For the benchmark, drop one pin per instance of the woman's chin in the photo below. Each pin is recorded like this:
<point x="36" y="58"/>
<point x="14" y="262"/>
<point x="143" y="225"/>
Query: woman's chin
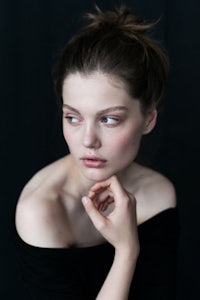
<point x="97" y="175"/>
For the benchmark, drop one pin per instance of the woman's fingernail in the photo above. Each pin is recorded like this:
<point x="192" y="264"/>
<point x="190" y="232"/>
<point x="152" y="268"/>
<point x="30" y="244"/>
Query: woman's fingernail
<point x="84" y="200"/>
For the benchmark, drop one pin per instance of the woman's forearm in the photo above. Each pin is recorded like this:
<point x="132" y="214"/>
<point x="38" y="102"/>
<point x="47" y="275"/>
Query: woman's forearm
<point x="118" y="280"/>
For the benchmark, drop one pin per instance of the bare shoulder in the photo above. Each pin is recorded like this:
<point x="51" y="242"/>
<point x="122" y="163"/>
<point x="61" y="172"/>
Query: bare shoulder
<point x="47" y="176"/>
<point x="155" y="193"/>
<point x="40" y="217"/>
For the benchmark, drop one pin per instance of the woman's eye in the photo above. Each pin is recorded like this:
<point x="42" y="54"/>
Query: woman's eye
<point x="110" y="120"/>
<point x="72" y="119"/>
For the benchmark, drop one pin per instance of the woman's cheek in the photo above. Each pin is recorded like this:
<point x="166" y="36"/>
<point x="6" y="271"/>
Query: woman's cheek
<point x="126" y="140"/>
<point x="127" y="144"/>
<point x="67" y="136"/>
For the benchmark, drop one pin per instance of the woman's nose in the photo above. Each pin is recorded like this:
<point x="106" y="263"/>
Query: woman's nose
<point x="91" y="138"/>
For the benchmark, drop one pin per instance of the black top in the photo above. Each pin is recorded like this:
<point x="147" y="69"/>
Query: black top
<point x="78" y="273"/>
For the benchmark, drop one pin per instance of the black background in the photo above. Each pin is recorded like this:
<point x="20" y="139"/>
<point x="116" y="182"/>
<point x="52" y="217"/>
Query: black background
<point x="32" y="34"/>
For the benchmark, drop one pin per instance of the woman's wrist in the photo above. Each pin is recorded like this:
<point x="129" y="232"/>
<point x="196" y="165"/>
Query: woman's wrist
<point x="127" y="255"/>
<point x="128" y="251"/>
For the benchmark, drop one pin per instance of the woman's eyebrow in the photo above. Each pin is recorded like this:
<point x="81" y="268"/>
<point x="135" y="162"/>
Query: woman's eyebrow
<point x="104" y="111"/>
<point x="112" y="109"/>
<point x="71" y="108"/>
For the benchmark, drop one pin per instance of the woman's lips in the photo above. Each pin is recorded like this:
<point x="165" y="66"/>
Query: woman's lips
<point x="93" y="161"/>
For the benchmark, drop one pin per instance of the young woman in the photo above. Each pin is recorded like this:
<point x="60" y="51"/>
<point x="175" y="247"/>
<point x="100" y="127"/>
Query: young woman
<point x="95" y="224"/>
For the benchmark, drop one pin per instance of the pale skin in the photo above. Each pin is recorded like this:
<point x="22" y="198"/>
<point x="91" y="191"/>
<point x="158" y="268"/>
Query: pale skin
<point x="97" y="193"/>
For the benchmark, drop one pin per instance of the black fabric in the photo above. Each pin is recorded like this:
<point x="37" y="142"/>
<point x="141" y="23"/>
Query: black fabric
<point x="78" y="273"/>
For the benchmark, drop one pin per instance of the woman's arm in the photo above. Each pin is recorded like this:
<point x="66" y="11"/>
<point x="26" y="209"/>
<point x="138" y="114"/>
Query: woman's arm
<point x="120" y="229"/>
<point x="118" y="280"/>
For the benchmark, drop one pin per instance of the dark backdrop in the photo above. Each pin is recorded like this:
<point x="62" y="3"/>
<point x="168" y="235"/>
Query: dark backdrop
<point x="32" y="33"/>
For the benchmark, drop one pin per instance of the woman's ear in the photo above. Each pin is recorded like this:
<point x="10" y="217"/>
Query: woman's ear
<point x="150" y="121"/>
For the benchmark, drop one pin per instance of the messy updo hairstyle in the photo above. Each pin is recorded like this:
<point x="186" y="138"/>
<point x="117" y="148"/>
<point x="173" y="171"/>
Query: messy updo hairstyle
<point x="117" y="43"/>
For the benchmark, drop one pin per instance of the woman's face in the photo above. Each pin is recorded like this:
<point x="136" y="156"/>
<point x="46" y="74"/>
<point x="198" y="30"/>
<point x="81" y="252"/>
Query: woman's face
<point x="102" y="124"/>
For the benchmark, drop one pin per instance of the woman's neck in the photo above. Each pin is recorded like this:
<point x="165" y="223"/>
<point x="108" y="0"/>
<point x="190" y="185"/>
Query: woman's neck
<point x="76" y="182"/>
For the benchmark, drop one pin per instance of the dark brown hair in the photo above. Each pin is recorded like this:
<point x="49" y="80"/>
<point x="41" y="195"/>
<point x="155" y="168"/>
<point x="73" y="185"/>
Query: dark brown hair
<point x="117" y="43"/>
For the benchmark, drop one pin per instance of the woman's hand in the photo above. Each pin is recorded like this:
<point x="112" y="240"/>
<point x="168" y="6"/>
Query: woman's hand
<point x="120" y="227"/>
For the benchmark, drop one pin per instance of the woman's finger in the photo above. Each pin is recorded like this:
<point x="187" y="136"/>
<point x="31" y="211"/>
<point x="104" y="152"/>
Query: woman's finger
<point x="113" y="187"/>
<point x="96" y="217"/>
